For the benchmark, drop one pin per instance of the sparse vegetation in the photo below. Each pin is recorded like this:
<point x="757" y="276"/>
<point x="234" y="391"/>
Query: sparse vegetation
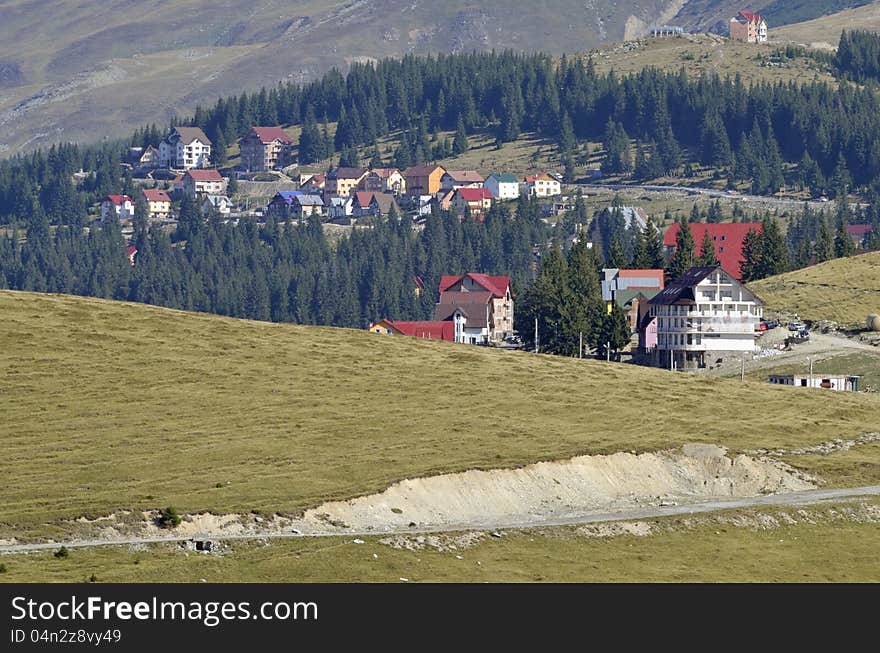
<point x="62" y="552"/>
<point x="169" y="518"/>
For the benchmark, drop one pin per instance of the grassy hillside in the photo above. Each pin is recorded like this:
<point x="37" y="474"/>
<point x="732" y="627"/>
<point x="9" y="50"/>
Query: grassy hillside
<point x="110" y="405"/>
<point x="843" y="290"/>
<point x="105" y="66"/>
<point x="825" y="32"/>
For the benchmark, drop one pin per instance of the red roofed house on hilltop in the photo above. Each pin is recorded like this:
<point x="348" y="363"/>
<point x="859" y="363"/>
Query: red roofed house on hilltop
<point x="471" y="202"/>
<point x="748" y="27"/>
<point x="474" y="309"/>
<point x="122" y="205"/>
<point x="209" y="182"/>
<point x="265" y="148"/>
<point x="727" y="238"/>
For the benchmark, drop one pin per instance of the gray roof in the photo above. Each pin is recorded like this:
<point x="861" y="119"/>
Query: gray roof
<point x="308" y="200"/>
<point x="476" y="314"/>
<point x="682" y="289"/>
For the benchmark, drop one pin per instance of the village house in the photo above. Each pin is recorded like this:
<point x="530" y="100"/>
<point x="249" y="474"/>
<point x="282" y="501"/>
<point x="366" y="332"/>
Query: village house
<point x="265" y="148"/>
<point x="455" y="179"/>
<point x="860" y="234"/>
<point x="727" y="237"/>
<point x="629" y="289"/>
<point x="121" y="205"/>
<point x="158" y="203"/>
<point x="219" y="203"/>
<point x="313" y="184"/>
<point x="383" y="180"/>
<point x="841" y="382"/>
<point x="471" y="202"/>
<point x="343" y="181"/>
<point x="502" y="186"/>
<point x="543" y="185"/>
<point x="144" y="158"/>
<point x="702" y="317"/>
<point x="473" y="309"/>
<point x="203" y="182"/>
<point x="748" y="27"/>
<point x="185" y="148"/>
<point x="341" y="210"/>
<point x="366" y="204"/>
<point x="424" y="179"/>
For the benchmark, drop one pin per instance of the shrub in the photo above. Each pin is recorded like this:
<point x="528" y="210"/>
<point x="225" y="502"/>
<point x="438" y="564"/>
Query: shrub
<point x="169" y="518"/>
<point x="3" y="568"/>
<point x="62" y="552"/>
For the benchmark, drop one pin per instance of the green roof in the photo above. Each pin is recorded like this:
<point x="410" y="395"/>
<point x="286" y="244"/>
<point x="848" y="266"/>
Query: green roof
<point x="624" y="297"/>
<point x="504" y="177"/>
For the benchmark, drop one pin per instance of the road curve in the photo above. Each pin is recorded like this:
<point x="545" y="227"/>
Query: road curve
<point x="805" y="497"/>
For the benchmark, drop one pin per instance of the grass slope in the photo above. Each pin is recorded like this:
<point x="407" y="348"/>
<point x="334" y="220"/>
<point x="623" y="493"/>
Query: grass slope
<point x="109" y="405"/>
<point x="843" y="290"/>
<point x="825" y="32"/>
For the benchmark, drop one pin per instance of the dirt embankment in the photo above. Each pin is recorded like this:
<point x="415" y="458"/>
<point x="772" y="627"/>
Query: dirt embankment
<point x="580" y="486"/>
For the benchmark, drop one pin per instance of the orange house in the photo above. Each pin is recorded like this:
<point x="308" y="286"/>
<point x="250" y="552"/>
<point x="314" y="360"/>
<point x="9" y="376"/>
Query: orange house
<point x="424" y="179"/>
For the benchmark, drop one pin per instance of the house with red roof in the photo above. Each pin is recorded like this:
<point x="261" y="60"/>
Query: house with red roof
<point x="630" y="289"/>
<point x="121" y="205"/>
<point x="158" y="203"/>
<point x="265" y="148"/>
<point x="207" y="182"/>
<point x="473" y="309"/>
<point x="727" y="237"/>
<point x="860" y="234"/>
<point x="748" y="27"/>
<point x="471" y="202"/>
<point x="131" y="251"/>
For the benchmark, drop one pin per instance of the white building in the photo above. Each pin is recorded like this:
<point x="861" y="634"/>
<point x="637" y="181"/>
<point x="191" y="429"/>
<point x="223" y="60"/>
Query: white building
<point x="543" y="185"/>
<point x="185" y="148"/>
<point x="702" y="316"/>
<point x="122" y="205"/>
<point x="842" y="382"/>
<point x="221" y="203"/>
<point x="207" y="182"/>
<point x="502" y="185"/>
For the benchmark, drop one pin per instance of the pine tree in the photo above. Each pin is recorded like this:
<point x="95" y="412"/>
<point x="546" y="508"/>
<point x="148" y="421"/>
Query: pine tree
<point x="774" y="252"/>
<point x="843" y="244"/>
<point x="684" y="258"/>
<point x="460" y="143"/>
<point x="751" y="256"/>
<point x="707" y="251"/>
<point x="824" y="242"/>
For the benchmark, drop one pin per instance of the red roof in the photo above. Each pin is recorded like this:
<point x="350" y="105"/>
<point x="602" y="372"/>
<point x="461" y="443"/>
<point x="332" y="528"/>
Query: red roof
<point x="727" y="237"/>
<point x="427" y="329"/>
<point x="496" y="285"/>
<point x="269" y="134"/>
<point x="363" y="198"/>
<point x="156" y="195"/>
<point x="118" y="199"/>
<point x="474" y="194"/>
<point x="858" y="229"/>
<point x="640" y="273"/>
<point x="752" y="18"/>
<point x="204" y="175"/>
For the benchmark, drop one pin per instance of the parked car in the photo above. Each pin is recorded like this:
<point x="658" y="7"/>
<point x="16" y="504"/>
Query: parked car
<point x="772" y="324"/>
<point x="796" y="326"/>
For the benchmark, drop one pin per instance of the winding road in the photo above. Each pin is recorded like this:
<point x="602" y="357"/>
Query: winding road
<point x="805" y="497"/>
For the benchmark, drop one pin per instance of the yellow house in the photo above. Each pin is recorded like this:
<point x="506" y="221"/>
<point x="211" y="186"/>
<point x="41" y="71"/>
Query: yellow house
<point x="424" y="179"/>
<point x="158" y="203"/>
<point x="385" y="327"/>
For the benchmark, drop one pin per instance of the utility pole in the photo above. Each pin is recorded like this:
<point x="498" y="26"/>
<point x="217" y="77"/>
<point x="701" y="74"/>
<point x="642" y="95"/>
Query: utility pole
<point x="810" y="382"/>
<point x="581" y="345"/>
<point x="742" y="369"/>
<point x="608" y="351"/>
<point x="536" y="335"/>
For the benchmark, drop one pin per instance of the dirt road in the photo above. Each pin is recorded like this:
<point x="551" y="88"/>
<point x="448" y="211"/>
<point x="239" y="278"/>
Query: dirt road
<point x="806" y="497"/>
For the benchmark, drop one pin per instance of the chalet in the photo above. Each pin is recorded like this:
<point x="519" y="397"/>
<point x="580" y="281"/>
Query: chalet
<point x="455" y="179"/>
<point x="860" y="234"/>
<point x="313" y="184"/>
<point x="748" y="27"/>
<point x="341" y="209"/>
<point x="543" y="185"/>
<point x="372" y="204"/>
<point x="185" y="148"/>
<point x="629" y="289"/>
<point x="429" y="330"/>
<point x="502" y="186"/>
<point x="383" y="180"/>
<point x="424" y="179"/>
<point x="220" y="203"/>
<point x="471" y="202"/>
<point x="303" y="206"/>
<point x="486" y="303"/>
<point x="727" y="237"/>
<point x="144" y="158"/>
<point x="265" y="148"/>
<point x="207" y="182"/>
<point x="121" y="205"/>
<point x="158" y="203"/>
<point x="281" y="204"/>
<point x="131" y="251"/>
<point x="702" y="316"/>
<point x="343" y="181"/>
